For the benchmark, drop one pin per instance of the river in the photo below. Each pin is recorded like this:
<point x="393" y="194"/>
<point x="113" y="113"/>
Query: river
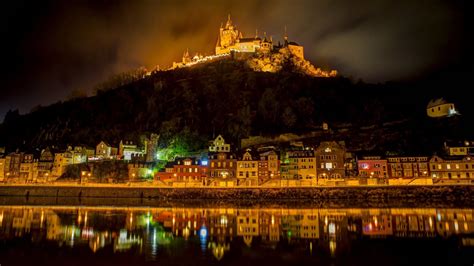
<point x="221" y="235"/>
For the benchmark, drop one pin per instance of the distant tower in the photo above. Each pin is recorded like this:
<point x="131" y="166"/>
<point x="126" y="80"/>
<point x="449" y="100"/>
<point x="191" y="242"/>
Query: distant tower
<point x="186" y="57"/>
<point x="286" y="37"/>
<point x="151" y="147"/>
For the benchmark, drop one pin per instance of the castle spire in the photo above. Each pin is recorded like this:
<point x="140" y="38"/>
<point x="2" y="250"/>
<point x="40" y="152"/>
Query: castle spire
<point x="286" y="37"/>
<point x="229" y="21"/>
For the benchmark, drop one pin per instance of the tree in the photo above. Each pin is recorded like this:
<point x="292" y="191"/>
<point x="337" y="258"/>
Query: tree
<point x="288" y="117"/>
<point x="268" y="106"/>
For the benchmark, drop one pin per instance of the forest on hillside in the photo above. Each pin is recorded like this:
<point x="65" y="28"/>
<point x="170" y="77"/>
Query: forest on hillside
<point x="224" y="97"/>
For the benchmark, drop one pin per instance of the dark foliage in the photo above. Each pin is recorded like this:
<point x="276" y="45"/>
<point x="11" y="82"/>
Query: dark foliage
<point x="226" y="97"/>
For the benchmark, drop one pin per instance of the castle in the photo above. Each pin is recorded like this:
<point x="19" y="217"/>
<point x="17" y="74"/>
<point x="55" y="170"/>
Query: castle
<point x="231" y="40"/>
<point x="260" y="54"/>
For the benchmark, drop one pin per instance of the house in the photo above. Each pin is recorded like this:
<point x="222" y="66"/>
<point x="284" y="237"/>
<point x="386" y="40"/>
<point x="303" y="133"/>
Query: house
<point x="28" y="168"/>
<point x="70" y="156"/>
<point x="373" y="167"/>
<point x="330" y="158"/>
<point x="127" y="149"/>
<point x="302" y="164"/>
<point x="452" y="167"/>
<point x="268" y="166"/>
<point x="45" y="164"/>
<point x="104" y="150"/>
<point x="459" y="148"/>
<point x="12" y="165"/>
<point x="222" y="169"/>
<point x="167" y="175"/>
<point x="219" y="145"/>
<point x="189" y="171"/>
<point x="88" y="152"/>
<point x="440" y="108"/>
<point x="247" y="169"/>
<point x="408" y="167"/>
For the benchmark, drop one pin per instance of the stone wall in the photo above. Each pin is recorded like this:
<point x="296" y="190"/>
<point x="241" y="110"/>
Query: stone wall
<point x="464" y="193"/>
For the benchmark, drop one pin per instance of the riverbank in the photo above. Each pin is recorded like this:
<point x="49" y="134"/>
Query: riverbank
<point x="460" y="195"/>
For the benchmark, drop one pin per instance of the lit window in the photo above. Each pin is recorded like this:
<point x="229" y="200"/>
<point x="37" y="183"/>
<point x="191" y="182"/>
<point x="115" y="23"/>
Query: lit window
<point x="457" y="166"/>
<point x="328" y="165"/>
<point x="448" y="166"/>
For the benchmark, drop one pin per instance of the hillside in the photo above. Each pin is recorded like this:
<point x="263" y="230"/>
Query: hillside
<point x="226" y="97"/>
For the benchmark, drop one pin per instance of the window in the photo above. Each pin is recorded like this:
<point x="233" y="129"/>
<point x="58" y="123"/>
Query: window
<point x="328" y="165"/>
<point x="439" y="166"/>
<point x="212" y="164"/>
<point x="322" y="165"/>
<point x="457" y="166"/>
<point x="448" y="166"/>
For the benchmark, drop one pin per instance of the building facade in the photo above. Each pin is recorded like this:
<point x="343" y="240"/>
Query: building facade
<point x="219" y="145"/>
<point x="268" y="166"/>
<point x="460" y="148"/>
<point x="223" y="167"/>
<point x="408" y="167"/>
<point x="189" y="170"/>
<point x="247" y="169"/>
<point x="373" y="167"/>
<point x="104" y="150"/>
<point x="440" y="108"/>
<point x="127" y="150"/>
<point x="302" y="164"/>
<point x="330" y="160"/>
<point x="452" y="167"/>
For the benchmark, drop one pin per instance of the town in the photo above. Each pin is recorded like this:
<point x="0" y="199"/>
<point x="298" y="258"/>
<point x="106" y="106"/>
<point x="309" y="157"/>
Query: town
<point x="222" y="165"/>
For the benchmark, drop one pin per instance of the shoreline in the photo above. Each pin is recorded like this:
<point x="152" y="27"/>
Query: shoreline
<point x="452" y="195"/>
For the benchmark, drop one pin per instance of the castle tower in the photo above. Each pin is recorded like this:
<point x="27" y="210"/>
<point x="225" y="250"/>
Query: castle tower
<point x="228" y="37"/>
<point x="186" y="57"/>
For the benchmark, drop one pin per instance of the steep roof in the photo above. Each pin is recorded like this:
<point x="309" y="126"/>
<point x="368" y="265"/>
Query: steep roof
<point x="436" y="102"/>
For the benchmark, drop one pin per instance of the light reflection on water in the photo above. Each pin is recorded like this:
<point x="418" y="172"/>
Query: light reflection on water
<point x="217" y="233"/>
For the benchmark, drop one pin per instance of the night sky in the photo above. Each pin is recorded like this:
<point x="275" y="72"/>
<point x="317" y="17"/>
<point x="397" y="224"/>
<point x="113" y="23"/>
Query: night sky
<point x="54" y="47"/>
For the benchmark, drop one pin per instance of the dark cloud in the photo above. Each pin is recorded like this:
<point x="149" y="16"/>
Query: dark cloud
<point x="54" y="47"/>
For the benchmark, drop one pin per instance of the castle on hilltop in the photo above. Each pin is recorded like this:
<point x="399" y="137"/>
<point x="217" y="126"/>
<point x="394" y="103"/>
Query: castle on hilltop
<point x="260" y="54"/>
<point x="230" y="39"/>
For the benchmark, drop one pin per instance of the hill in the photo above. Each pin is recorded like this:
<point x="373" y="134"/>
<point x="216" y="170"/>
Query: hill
<point x="227" y="97"/>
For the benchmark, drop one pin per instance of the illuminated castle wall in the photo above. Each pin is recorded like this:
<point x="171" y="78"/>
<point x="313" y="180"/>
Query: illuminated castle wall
<point x="231" y="39"/>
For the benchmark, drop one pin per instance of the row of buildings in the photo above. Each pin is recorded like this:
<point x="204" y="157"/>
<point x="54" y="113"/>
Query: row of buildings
<point x="51" y="163"/>
<point x="328" y="162"/>
<point x="225" y="167"/>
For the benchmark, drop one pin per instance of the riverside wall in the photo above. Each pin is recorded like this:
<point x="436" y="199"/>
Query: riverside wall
<point x="460" y="193"/>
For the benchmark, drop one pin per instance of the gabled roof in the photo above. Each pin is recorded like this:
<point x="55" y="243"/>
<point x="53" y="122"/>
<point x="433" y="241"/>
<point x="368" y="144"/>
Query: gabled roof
<point x="436" y="102"/>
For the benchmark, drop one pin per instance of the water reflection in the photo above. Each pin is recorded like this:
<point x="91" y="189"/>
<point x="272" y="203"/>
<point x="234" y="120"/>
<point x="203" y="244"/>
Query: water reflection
<point x="151" y="232"/>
